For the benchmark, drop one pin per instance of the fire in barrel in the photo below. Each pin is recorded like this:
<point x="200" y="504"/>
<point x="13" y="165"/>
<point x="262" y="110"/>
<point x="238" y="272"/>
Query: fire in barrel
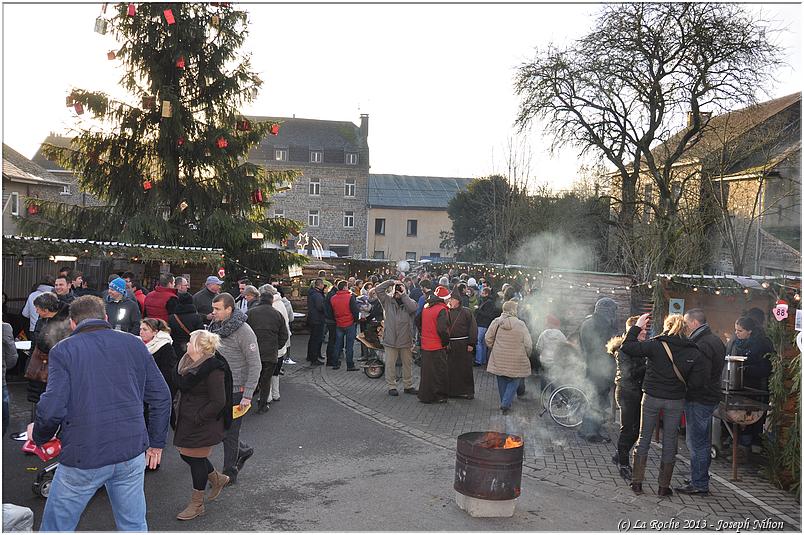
<point x="488" y="473"/>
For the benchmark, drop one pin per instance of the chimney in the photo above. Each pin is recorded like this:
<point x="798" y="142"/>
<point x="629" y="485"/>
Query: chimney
<point x="364" y="126"/>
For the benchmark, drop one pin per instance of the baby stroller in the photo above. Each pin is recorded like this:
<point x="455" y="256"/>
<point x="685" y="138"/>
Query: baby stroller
<point x="47" y="452"/>
<point x="371" y="338"/>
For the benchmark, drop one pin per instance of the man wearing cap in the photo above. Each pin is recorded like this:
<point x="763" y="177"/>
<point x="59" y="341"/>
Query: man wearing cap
<point x="160" y="303"/>
<point x="203" y="298"/>
<point x="432" y="322"/>
<point x="122" y="312"/>
<point x="398" y="310"/>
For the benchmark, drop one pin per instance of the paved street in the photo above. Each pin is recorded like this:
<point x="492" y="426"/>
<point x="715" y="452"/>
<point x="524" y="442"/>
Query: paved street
<point x="338" y="454"/>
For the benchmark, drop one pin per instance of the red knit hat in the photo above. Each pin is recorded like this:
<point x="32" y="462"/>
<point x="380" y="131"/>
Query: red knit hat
<point x="442" y="293"/>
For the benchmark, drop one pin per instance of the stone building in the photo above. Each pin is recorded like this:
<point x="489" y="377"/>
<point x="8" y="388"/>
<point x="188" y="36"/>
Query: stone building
<point x="331" y="195"/>
<point x="407" y="215"/>
<point x="23" y="178"/>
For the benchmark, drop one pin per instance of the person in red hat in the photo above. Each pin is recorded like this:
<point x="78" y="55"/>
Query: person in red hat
<point x="433" y="325"/>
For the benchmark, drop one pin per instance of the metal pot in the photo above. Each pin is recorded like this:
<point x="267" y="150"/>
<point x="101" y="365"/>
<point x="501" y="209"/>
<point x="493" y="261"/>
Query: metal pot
<point x="733" y="373"/>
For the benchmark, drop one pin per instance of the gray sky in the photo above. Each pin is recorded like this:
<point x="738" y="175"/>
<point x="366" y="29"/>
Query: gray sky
<point x="436" y="80"/>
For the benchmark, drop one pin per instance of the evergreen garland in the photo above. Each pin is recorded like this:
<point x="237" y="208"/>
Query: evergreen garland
<point x="171" y="165"/>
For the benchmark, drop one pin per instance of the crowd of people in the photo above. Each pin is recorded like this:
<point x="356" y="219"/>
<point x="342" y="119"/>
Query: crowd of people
<point x="197" y="361"/>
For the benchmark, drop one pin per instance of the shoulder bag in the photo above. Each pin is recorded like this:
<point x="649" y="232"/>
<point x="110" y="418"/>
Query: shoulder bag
<point x="675" y="369"/>
<point x="37" y="366"/>
<point x="183" y="328"/>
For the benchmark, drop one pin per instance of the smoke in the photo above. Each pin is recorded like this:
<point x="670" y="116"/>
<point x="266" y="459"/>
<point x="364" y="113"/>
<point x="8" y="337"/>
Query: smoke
<point x="549" y="250"/>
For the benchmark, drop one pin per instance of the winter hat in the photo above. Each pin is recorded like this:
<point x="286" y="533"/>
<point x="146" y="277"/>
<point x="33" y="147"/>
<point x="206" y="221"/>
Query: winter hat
<point x="510" y="307"/>
<point x="472" y="283"/>
<point x="443" y="281"/>
<point x="442" y="293"/>
<point x="118" y="285"/>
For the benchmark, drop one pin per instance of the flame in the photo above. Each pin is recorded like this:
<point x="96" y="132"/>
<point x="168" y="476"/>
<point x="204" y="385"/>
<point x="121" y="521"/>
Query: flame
<point x="494" y="440"/>
<point x="512" y="442"/>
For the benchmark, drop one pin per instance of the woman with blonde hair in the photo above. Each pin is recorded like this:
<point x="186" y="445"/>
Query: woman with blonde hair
<point x="203" y="413"/>
<point x="674" y="366"/>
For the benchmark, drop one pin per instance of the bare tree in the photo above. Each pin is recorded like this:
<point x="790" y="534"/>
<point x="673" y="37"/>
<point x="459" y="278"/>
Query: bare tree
<point x="625" y="89"/>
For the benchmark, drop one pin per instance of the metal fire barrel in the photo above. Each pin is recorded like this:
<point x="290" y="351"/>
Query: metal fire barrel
<point x="488" y="473"/>
<point x="733" y="373"/>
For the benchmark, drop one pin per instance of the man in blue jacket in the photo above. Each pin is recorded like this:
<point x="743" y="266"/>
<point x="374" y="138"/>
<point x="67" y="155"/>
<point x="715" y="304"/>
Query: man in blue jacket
<point x="98" y="380"/>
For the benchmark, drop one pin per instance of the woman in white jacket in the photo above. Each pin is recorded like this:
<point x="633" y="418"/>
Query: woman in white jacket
<point x="510" y="343"/>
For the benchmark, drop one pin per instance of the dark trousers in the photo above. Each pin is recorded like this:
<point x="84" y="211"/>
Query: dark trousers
<point x="265" y="382"/>
<point x="630" y="403"/>
<point x="599" y="403"/>
<point x="332" y="331"/>
<point x="315" y="341"/>
<point x="232" y="446"/>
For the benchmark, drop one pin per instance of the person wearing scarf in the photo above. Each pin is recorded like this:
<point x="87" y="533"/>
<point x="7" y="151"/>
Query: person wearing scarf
<point x="203" y="413"/>
<point x="156" y="335"/>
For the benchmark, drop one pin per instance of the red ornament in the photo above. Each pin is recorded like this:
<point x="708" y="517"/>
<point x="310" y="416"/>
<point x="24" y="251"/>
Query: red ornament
<point x="222" y="143"/>
<point x="110" y="55"/>
<point x="244" y="125"/>
<point x="221" y="272"/>
<point x="256" y="197"/>
<point x="147" y="185"/>
<point x="274" y="129"/>
<point x="132" y="10"/>
<point x="33" y="209"/>
<point x="180" y="141"/>
<point x="169" y="17"/>
<point x="79" y="108"/>
<point x="180" y="62"/>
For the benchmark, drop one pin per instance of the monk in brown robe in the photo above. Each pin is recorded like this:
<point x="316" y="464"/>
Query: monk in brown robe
<point x="460" y="354"/>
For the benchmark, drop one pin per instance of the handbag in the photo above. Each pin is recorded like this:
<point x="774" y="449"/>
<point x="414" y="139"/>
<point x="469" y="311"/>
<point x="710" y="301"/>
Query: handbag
<point x="183" y="328"/>
<point x="675" y="369"/>
<point x="37" y="366"/>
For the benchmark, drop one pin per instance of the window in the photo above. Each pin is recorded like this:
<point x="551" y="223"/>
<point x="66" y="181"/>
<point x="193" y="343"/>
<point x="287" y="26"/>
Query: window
<point x="15" y="203"/>
<point x="379" y="255"/>
<point x="413" y="225"/>
<point x="410" y="255"/>
<point x="65" y="190"/>
<point x="349" y="219"/>
<point x="435" y="255"/>
<point x="349" y="186"/>
<point x="315" y="187"/>
<point x="316" y="156"/>
<point x="281" y="155"/>
<point x="279" y="212"/>
<point x="312" y="218"/>
<point x="379" y="227"/>
<point x="341" y="250"/>
<point x="351" y="158"/>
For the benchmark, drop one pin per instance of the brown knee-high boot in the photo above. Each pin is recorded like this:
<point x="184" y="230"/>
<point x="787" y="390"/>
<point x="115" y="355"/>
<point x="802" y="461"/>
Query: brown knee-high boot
<point x="638" y="472"/>
<point x="665" y="476"/>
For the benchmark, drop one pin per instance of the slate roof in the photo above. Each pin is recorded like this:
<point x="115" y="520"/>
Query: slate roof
<point x="40" y="159"/>
<point x="18" y="167"/>
<point x="404" y="191"/>
<point x="312" y="133"/>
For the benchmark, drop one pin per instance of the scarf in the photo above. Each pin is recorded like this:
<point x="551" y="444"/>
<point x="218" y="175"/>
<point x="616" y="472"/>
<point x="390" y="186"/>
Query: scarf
<point x="190" y="366"/>
<point x="159" y="340"/>
<point x="226" y="328"/>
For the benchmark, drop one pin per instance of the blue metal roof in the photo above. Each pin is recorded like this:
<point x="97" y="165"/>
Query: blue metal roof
<point x="404" y="191"/>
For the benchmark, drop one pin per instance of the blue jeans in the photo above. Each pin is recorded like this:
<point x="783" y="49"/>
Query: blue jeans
<point x="507" y="387"/>
<point x="699" y="441"/>
<point x="481" y="351"/>
<point x="72" y="489"/>
<point x="345" y="336"/>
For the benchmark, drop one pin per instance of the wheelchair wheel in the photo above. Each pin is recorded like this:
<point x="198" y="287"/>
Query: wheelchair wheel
<point x="547" y="391"/>
<point x="567" y="406"/>
<point x="374" y="369"/>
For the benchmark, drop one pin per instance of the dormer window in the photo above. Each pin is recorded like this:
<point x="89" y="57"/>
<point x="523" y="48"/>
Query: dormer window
<point x="316" y="156"/>
<point x="351" y="158"/>
<point x="65" y="190"/>
<point x="281" y="155"/>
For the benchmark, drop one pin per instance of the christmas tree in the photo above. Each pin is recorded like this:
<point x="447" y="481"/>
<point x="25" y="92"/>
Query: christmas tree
<point x="170" y="165"/>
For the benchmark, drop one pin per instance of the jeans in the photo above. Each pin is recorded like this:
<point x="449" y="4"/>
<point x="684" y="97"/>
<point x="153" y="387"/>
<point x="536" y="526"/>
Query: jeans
<point x="699" y="441"/>
<point x="315" y="341"/>
<point x="72" y="489"/>
<point x="481" y="350"/>
<point x="391" y="356"/>
<point x="345" y="336"/>
<point x="233" y="448"/>
<point x="630" y="403"/>
<point x="671" y="419"/>
<point x="507" y="388"/>
<point x="331" y="329"/>
<point x="6" y="411"/>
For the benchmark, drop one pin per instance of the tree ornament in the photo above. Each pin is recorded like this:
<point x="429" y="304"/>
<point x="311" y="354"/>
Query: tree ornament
<point x="244" y="125"/>
<point x="169" y="17"/>
<point x="180" y="62"/>
<point x="274" y="129"/>
<point x="256" y="197"/>
<point x="149" y="103"/>
<point x="183" y="206"/>
<point x="215" y="21"/>
<point x="70" y="100"/>
<point x="249" y="171"/>
<point x="222" y="143"/>
<point x="147" y="185"/>
<point x="180" y="141"/>
<point x="780" y="310"/>
<point x="167" y="109"/>
<point x="132" y="10"/>
<point x="101" y="25"/>
<point x="79" y="108"/>
<point x="110" y="55"/>
<point x="33" y="209"/>
<point x="221" y="272"/>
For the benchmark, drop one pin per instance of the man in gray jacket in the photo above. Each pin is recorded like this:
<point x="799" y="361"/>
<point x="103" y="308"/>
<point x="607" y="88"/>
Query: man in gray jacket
<point x="399" y="310"/>
<point x="240" y="349"/>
